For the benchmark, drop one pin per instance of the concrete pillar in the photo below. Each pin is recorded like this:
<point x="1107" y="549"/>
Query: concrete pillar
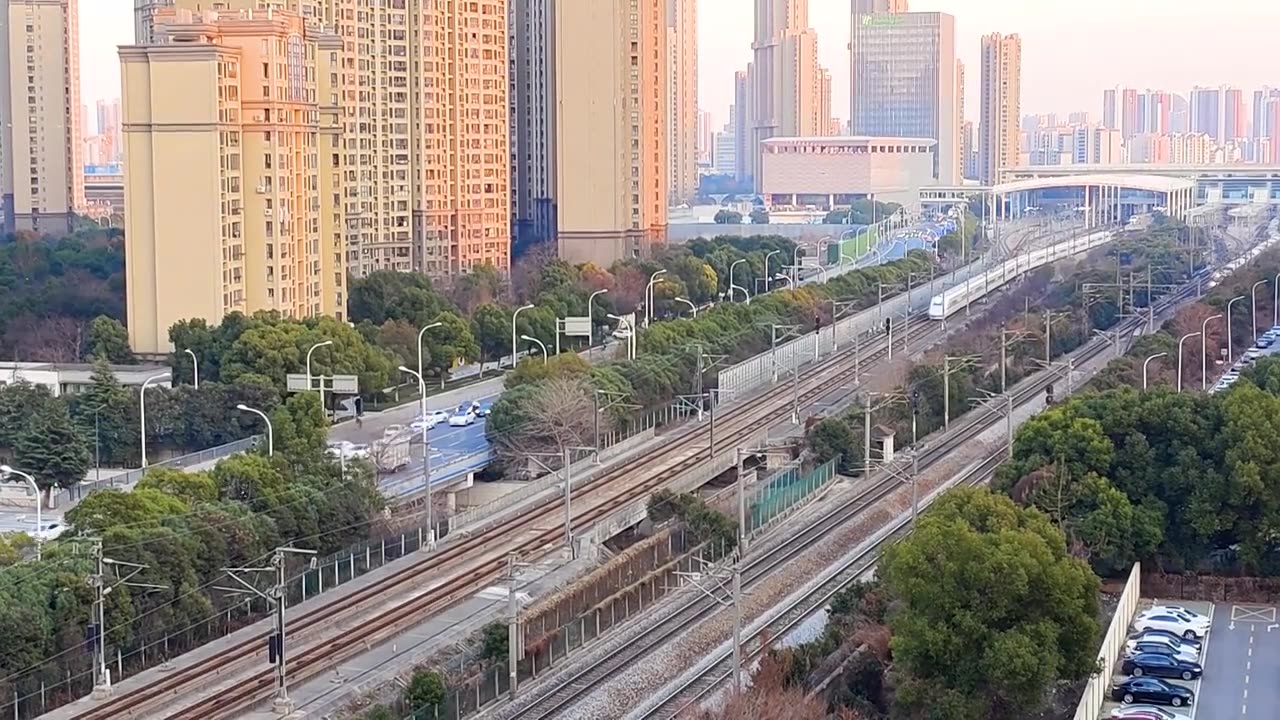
<point x="451" y="501"/>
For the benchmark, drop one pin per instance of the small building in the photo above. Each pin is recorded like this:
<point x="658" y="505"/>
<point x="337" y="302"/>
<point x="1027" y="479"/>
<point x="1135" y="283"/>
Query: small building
<point x="882" y="440"/>
<point x="73" y="378"/>
<point x="826" y="173"/>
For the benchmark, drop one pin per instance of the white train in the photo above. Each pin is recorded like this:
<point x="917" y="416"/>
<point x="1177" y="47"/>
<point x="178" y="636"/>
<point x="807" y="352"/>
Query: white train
<point x="971" y="290"/>
<point x="1239" y="262"/>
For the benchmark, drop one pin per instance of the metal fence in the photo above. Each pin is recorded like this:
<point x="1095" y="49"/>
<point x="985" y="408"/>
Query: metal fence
<point x="131" y="477"/>
<point x="785" y="492"/>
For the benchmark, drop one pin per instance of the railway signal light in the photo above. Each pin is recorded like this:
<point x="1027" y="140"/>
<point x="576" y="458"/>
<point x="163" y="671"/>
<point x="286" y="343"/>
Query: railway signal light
<point x="1048" y="395"/>
<point x="817" y="322"/>
<point x="888" y="325"/>
<point x="273" y="648"/>
<point x="92" y="636"/>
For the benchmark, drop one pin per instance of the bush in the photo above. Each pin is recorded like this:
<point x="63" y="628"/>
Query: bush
<point x="425" y="691"/>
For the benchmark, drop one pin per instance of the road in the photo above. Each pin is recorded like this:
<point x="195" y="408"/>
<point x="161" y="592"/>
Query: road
<point x="1241" y="664"/>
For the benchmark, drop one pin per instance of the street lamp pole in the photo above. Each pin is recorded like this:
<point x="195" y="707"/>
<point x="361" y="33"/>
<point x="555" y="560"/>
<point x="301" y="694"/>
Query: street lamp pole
<point x="195" y="369"/>
<point x="790" y="284"/>
<point x="1204" y="351"/>
<point x="631" y="335"/>
<point x="421" y="334"/>
<point x="1230" y="353"/>
<point x="271" y="444"/>
<point x="514" y="315"/>
<point x="142" y="412"/>
<point x="5" y="472"/>
<point x="591" y="337"/>
<point x="541" y="346"/>
<point x="1253" y="308"/>
<point x="1147" y="362"/>
<point x="311" y="350"/>
<point x="733" y="286"/>
<point x="426" y="451"/>
<point x="689" y="302"/>
<point x="1180" y="341"/>
<point x="648" y="297"/>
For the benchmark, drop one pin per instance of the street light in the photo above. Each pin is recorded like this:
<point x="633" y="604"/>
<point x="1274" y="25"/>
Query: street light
<point x="422" y="333"/>
<point x="689" y="302"/>
<point x="142" y="412"/>
<point x="5" y="472"/>
<point x="648" y="296"/>
<point x="1148" y="362"/>
<point x="1204" y="350"/>
<point x="313" y="349"/>
<point x="631" y="334"/>
<point x="195" y="368"/>
<point x="768" y="255"/>
<point x="426" y="449"/>
<point x="732" y="286"/>
<point x="790" y="285"/>
<point x="271" y="442"/>
<point x="1275" y="301"/>
<point x="591" y="325"/>
<point x="1253" y="308"/>
<point x="1230" y="302"/>
<point x="844" y="257"/>
<point x="527" y="338"/>
<point x="1180" y="341"/>
<point x="514" y="315"/>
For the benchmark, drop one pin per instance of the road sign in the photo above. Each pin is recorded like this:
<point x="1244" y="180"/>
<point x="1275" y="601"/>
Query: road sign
<point x="296" y="382"/>
<point x="337" y="384"/>
<point x="576" y="326"/>
<point x="344" y="384"/>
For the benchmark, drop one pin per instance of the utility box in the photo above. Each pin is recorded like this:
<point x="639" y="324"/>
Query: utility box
<point x="882" y="439"/>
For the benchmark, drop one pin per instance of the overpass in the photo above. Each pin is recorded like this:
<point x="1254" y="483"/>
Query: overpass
<point x="1214" y="184"/>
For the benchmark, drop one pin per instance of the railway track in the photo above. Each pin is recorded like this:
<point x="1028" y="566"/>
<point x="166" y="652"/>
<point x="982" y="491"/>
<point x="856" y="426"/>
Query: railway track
<point x="478" y="560"/>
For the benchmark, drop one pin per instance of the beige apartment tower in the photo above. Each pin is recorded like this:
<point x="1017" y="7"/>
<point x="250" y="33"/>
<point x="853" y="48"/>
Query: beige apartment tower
<point x="1001" y="106"/>
<point x="233" y="167"/>
<point x="682" y="90"/>
<point x="611" y="129"/>
<point x="41" y="138"/>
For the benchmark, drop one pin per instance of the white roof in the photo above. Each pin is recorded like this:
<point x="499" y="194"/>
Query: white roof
<point x="1150" y="183"/>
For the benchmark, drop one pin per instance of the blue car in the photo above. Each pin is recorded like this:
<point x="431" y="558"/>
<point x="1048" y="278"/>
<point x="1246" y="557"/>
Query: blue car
<point x="1152" y="690"/>
<point x="1160" y="665"/>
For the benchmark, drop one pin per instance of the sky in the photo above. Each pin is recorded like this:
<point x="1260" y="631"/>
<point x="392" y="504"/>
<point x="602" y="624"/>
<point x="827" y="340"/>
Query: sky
<point x="1071" y="49"/>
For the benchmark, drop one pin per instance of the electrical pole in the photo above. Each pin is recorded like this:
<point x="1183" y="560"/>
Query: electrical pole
<point x="866" y="434"/>
<point x="275" y="598"/>
<point x="515" y="639"/>
<point x="102" y="584"/>
<point x="568" y="500"/>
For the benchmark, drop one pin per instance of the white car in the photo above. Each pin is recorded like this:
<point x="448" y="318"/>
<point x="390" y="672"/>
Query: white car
<point x="392" y="431"/>
<point x="48" y="530"/>
<point x="1143" y="709"/>
<point x="433" y="419"/>
<point x="462" y="417"/>
<point x="1173" y="623"/>
<point x="1179" y="610"/>
<point x="348" y="450"/>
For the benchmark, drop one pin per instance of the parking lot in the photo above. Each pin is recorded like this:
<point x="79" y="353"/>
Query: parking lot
<point x="1241" y="660"/>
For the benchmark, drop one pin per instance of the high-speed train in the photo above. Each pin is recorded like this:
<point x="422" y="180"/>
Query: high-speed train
<point x="1226" y="270"/>
<point x="971" y="290"/>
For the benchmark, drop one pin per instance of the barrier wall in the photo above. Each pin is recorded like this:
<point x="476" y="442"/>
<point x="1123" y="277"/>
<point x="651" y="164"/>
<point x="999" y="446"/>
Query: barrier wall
<point x="1095" y="692"/>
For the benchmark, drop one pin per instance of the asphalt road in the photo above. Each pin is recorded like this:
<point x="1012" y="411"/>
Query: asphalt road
<point x="1241" y="664"/>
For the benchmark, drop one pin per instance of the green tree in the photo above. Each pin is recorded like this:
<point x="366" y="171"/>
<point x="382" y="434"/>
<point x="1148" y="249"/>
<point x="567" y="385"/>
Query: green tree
<point x="759" y="217"/>
<point x="109" y="340"/>
<point x="424" y="692"/>
<point x="491" y="327"/>
<point x="991" y="609"/>
<point x="50" y="449"/>
<point x="300" y="429"/>
<point x="449" y="344"/>
<point x="193" y="487"/>
<point x="106" y="412"/>
<point x="699" y="278"/>
<point x="19" y="402"/>
<point x="496" y="642"/>
<point x="833" y="437"/>
<point x="728" y="217"/>
<point x="389" y="295"/>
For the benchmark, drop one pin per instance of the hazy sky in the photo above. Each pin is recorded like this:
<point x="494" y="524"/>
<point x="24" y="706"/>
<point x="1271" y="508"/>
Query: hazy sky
<point x="1071" y="49"/>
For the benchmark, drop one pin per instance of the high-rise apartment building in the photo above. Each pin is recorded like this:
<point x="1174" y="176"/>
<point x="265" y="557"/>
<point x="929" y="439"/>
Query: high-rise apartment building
<point x="903" y="83"/>
<point x="233" y="165"/>
<point x="706" y="138"/>
<point x="1233" y="115"/>
<point x="968" y="153"/>
<point x="741" y="116"/>
<point x="1110" y="117"/>
<point x="682" y="100"/>
<point x="960" y="80"/>
<point x="112" y="142"/>
<point x="1206" y="112"/>
<point x="41" y="140"/>
<point x="726" y="150"/>
<point x="1001" y="104"/>
<point x="1129" y="122"/>
<point x="783" y="76"/>
<point x="611" y="129"/>
<point x="532" y="95"/>
<point x="822" y="102"/>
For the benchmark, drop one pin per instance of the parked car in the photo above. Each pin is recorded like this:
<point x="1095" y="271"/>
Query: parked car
<point x="392" y="431"/>
<point x="1143" y="710"/>
<point x="1134" y="647"/>
<point x="1175" y="638"/>
<point x="50" y="530"/>
<point x="1177" y="610"/>
<point x="478" y="409"/>
<point x="1173" y="644"/>
<point x="462" y="417"/>
<point x="1152" y="690"/>
<point x="1173" y="623"/>
<point x="347" y="450"/>
<point x="1160" y="665"/>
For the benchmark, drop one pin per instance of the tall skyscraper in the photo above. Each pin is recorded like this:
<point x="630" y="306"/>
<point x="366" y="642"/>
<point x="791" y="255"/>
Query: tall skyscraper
<point x="144" y="13"/>
<point x="108" y="113"/>
<point x="822" y="103"/>
<point x="706" y="138"/>
<point x="611" y="129"/>
<point x="1233" y="116"/>
<point x="1001" y="104"/>
<point x="960" y="153"/>
<point x="968" y="153"/>
<point x="1206" y="112"/>
<point x="1110" y="117"/>
<point x="784" y="86"/>
<point x="741" y="115"/>
<point x="1179" y="117"/>
<point x="233" y="204"/>
<point x="1129" y="122"/>
<point x="533" y="111"/>
<point x="903" y="83"/>
<point x="682" y="101"/>
<point x="41" y="141"/>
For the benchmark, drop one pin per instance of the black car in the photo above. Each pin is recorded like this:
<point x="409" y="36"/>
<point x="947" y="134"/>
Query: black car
<point x="1178" y="639"/>
<point x="1152" y="690"/>
<point x="1160" y="666"/>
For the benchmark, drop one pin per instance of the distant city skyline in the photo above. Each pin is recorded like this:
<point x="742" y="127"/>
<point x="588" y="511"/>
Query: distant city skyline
<point x="1152" y="36"/>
